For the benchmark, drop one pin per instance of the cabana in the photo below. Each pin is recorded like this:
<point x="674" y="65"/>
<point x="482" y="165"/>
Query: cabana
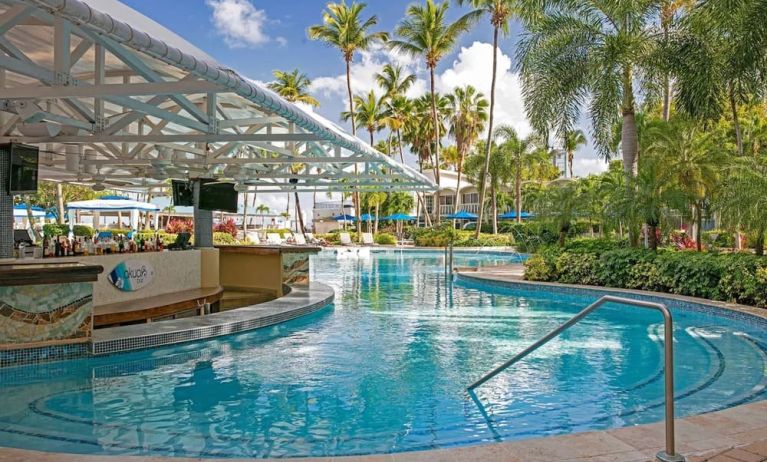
<point x="115" y="206"/>
<point x="21" y="215"/>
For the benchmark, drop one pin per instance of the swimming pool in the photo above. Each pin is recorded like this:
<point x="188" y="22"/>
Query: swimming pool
<point x="385" y="370"/>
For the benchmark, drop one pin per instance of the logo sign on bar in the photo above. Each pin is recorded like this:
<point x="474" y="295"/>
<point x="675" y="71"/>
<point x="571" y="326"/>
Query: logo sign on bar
<point x="131" y="275"/>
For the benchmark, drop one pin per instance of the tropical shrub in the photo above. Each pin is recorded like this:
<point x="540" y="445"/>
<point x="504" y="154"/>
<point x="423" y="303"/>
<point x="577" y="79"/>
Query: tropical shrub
<point x="385" y="239"/>
<point x="226" y="226"/>
<point x="82" y="231"/>
<point x="53" y="230"/>
<point x="166" y="238"/>
<point x="735" y="277"/>
<point x="224" y="238"/>
<point x="179" y="225"/>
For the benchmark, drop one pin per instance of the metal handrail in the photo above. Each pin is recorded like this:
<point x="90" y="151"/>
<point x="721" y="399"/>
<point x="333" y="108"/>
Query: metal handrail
<point x="669" y="455"/>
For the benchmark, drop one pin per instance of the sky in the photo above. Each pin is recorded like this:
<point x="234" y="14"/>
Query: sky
<point x="256" y="37"/>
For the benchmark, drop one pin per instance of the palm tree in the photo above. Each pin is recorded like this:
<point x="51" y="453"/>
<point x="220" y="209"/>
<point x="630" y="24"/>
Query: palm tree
<point x="369" y="114"/>
<point x="521" y="152"/>
<point x="293" y="86"/>
<point x="262" y="210"/>
<point x="467" y="113"/>
<point x="393" y="81"/>
<point x="720" y="61"/>
<point x="693" y="162"/>
<point x="587" y="49"/>
<point x="499" y="12"/>
<point x="559" y="204"/>
<point x="398" y="109"/>
<point x="571" y="140"/>
<point x="742" y="204"/>
<point x="425" y="32"/>
<point x="500" y="173"/>
<point x="343" y="28"/>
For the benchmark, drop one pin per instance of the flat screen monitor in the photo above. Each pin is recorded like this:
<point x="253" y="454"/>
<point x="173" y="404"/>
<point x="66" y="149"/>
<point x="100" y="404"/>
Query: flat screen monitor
<point x="183" y="194"/>
<point x="22" y="174"/>
<point x="218" y="196"/>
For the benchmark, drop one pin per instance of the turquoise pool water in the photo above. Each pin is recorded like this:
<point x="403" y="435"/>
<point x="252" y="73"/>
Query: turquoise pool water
<point x="384" y="370"/>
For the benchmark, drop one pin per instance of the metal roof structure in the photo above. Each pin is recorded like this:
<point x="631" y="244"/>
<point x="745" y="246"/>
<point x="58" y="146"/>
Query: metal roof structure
<point x="116" y="99"/>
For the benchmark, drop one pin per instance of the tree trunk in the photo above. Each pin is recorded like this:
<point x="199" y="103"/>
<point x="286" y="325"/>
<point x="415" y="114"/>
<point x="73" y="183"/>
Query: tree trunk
<point x="518" y="191"/>
<point x="60" y="203"/>
<point x="302" y="230"/>
<point x="570" y="157"/>
<point x="735" y="119"/>
<point x="435" y="120"/>
<point x="665" y="19"/>
<point x="399" y="142"/>
<point x="245" y="215"/>
<point x="698" y="227"/>
<point x="31" y="218"/>
<point x="488" y="147"/>
<point x="652" y="235"/>
<point x="629" y="137"/>
<point x="458" y="186"/>
<point x="494" y="203"/>
<point x="375" y="225"/>
<point x="759" y="243"/>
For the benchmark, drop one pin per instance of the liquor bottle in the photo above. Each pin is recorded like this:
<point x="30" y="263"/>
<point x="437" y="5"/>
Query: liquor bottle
<point x="57" y="250"/>
<point x="45" y="248"/>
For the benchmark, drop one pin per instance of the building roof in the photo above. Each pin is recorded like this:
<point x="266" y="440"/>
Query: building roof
<point x="115" y="98"/>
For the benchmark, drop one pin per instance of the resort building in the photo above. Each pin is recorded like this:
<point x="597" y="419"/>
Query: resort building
<point x="324" y="214"/>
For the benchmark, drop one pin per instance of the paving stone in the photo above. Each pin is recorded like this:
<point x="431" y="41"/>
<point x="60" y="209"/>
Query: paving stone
<point x="744" y="456"/>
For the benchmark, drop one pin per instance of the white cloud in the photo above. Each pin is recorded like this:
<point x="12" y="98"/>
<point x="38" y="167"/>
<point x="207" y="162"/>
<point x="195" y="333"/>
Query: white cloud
<point x="363" y="72"/>
<point x="473" y="66"/>
<point x="584" y="166"/>
<point x="240" y="23"/>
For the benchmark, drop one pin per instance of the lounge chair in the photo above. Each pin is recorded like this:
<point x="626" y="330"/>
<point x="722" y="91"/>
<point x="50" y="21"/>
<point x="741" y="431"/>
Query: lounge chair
<point x="346" y="239"/>
<point x="367" y="239"/>
<point x="273" y="239"/>
<point x="253" y="238"/>
<point x="299" y="239"/>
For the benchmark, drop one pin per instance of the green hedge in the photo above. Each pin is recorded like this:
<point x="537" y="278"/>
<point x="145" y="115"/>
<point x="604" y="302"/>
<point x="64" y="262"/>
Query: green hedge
<point x="385" y="239"/>
<point x="53" y="230"/>
<point x="82" y="231"/>
<point x="735" y="277"/>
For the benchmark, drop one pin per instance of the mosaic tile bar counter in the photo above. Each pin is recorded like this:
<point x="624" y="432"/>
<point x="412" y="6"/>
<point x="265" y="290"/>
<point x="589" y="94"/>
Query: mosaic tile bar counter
<point x="45" y="310"/>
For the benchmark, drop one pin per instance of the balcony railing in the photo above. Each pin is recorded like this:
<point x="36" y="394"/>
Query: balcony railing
<point x="472" y="207"/>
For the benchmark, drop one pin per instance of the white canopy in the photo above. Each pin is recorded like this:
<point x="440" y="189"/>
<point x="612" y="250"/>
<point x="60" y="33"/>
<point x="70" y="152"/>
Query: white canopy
<point x="112" y="205"/>
<point x="118" y="100"/>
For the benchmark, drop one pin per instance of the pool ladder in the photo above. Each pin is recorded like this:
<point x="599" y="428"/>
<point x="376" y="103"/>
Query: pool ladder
<point x="669" y="455"/>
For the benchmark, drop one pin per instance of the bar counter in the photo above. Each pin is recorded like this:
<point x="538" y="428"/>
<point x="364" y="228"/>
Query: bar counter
<point x="46" y="303"/>
<point x="264" y="267"/>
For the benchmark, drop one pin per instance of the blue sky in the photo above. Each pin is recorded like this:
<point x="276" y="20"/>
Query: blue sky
<point x="256" y="37"/>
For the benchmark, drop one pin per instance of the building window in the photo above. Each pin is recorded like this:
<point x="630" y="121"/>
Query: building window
<point x="470" y="198"/>
<point x="446" y="200"/>
<point x="429" y="201"/>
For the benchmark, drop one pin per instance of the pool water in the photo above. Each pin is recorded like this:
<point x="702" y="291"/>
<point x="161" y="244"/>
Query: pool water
<point x="385" y="369"/>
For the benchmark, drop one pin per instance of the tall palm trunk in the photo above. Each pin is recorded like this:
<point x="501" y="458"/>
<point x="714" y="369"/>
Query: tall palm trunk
<point x="245" y="215"/>
<point x="399" y="142"/>
<point x="629" y="137"/>
<point x="301" y="229"/>
<point x="570" y="157"/>
<point x="735" y="119"/>
<point x="667" y="90"/>
<point x="652" y="236"/>
<point x="458" y="186"/>
<point x="489" y="145"/>
<point x="375" y="224"/>
<point x="60" y="203"/>
<point x="629" y="142"/>
<point x="355" y="194"/>
<point x="698" y="227"/>
<point x="436" y="139"/>
<point x="518" y="191"/>
<point x="495" y="209"/>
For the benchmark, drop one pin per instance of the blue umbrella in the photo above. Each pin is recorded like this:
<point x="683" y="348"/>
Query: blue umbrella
<point x="367" y="217"/>
<point x="344" y="218"/>
<point x="398" y="217"/>
<point x="513" y="215"/>
<point x="462" y="215"/>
